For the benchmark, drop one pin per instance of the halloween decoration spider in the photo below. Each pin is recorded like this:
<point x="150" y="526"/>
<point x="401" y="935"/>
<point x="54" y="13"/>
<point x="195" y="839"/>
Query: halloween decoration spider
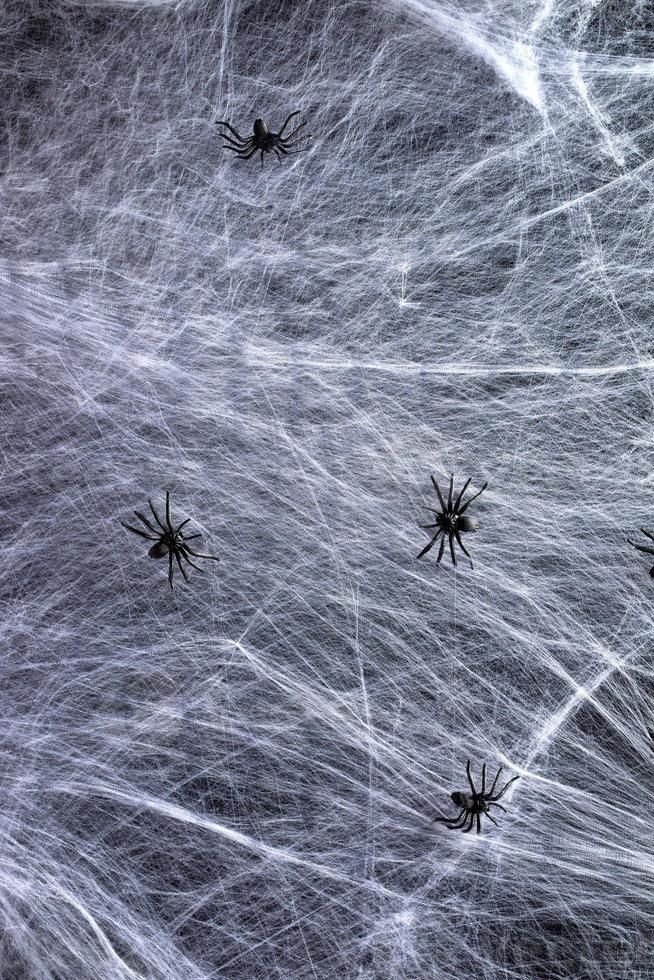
<point x="262" y="139"/>
<point x="648" y="549"/>
<point x="169" y="540"/>
<point x="475" y="804"/>
<point x="451" y="520"/>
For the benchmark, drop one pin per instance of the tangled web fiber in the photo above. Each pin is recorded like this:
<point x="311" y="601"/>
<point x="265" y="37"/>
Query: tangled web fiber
<point x="235" y="779"/>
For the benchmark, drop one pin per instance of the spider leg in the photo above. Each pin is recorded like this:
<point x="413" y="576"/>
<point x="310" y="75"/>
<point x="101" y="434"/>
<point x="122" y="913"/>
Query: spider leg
<point x="478" y="823"/>
<point x="459" y="822"/>
<point x="291" y="135"/>
<point x="454" y="823"/>
<point x="463" y="490"/>
<point x="182" y="525"/>
<point x="502" y="808"/>
<point x="426" y="527"/>
<point x="291" y="146"/>
<point x="440" y="495"/>
<point x="491" y="818"/>
<point x="170" y="567"/>
<point x="141" y="533"/>
<point x="497" y="776"/>
<point x="157" y="518"/>
<point x="449" y="496"/>
<point x="451" y="540"/>
<point x="450" y="819"/>
<point x="493" y="799"/>
<point x="472" y="820"/>
<point x="262" y="152"/>
<point x="196" y="554"/>
<point x="469" y="775"/>
<point x="648" y="534"/>
<point x="189" y="537"/>
<point x="483" y="779"/>
<point x="430" y="545"/>
<point x="642" y="547"/>
<point x="169" y="516"/>
<point x="229" y="139"/>
<point x="183" y="554"/>
<point x="239" y="147"/>
<point x="181" y="567"/>
<point x="242" y="155"/>
<point x="221" y="122"/>
<point x="277" y="154"/>
<point x="441" y="550"/>
<point x="249" y="154"/>
<point x="474" y="497"/>
<point x="145" y="521"/>
<point x="296" y="113"/>
<point x="457" y="535"/>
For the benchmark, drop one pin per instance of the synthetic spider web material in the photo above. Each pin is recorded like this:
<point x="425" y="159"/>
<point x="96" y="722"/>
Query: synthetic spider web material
<point x="237" y="779"/>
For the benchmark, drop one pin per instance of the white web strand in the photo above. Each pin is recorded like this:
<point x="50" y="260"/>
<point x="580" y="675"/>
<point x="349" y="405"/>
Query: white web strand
<point x="236" y="779"/>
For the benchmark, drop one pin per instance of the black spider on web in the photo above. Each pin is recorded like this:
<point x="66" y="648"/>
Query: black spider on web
<point x="451" y="520"/>
<point x="646" y="548"/>
<point x="169" y="540"/>
<point x="265" y="141"/>
<point x="475" y="804"/>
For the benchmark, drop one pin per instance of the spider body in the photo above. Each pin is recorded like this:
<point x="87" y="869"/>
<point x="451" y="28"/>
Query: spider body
<point x="169" y="540"/>
<point x="451" y="520"/>
<point x="648" y="549"/>
<point x="475" y="804"/>
<point x="263" y="140"/>
<point x="263" y="136"/>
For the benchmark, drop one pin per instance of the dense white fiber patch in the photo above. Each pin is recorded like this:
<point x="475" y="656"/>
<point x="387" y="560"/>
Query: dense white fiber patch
<point x="235" y="779"/>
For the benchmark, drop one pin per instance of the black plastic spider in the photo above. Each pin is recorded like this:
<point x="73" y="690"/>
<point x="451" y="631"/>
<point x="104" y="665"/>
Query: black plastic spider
<point x="472" y="806"/>
<point x="450" y="520"/>
<point x="262" y="139"/>
<point x="643" y="547"/>
<point x="169" y="540"/>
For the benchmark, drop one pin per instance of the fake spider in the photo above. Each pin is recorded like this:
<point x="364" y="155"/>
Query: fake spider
<point x="169" y="540"/>
<point x="643" y="547"/>
<point x="262" y="139"/>
<point x="451" y="520"/>
<point x="475" y="804"/>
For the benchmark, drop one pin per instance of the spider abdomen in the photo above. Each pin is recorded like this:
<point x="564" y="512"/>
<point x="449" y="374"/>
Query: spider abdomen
<point x="466" y="523"/>
<point x="260" y="129"/>
<point x="158" y="550"/>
